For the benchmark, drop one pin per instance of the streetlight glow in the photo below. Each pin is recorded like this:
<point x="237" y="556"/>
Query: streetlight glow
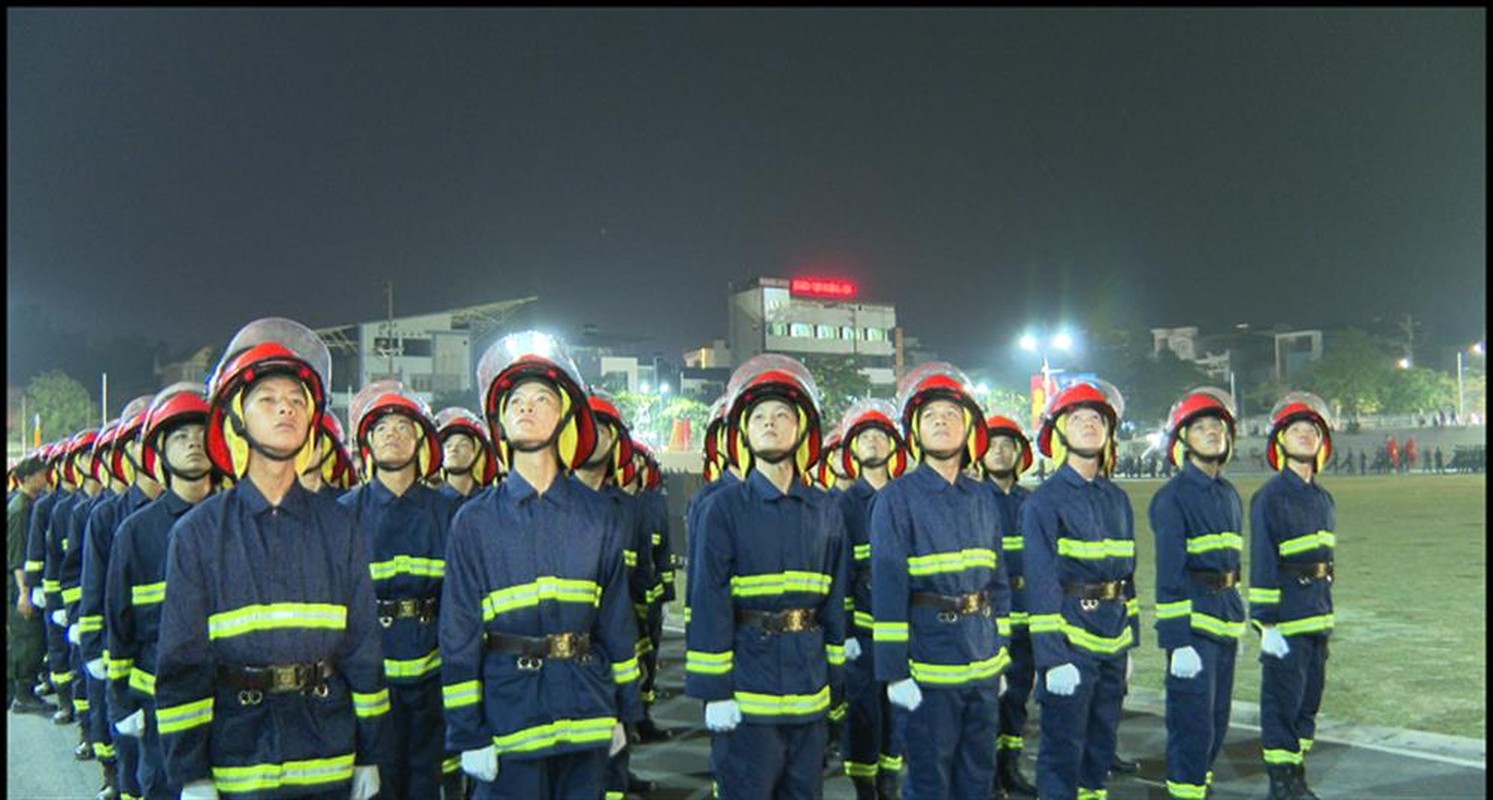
<point x="1063" y="341"/>
<point x="1403" y="363"/>
<point x="644" y="387"/>
<point x="1027" y="342"/>
<point x="663" y="388"/>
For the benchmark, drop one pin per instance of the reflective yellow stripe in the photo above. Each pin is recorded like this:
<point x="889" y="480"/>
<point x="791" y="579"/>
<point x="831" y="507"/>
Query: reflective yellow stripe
<point x="1009" y="742"/>
<point x="33" y="566"/>
<point x="1132" y="607"/>
<point x="954" y="561"/>
<point x="91" y="623"/>
<point x="367" y="705"/>
<point x="1020" y="619"/>
<point x="1282" y="757"/>
<point x="1216" y="626"/>
<point x="1046" y="623"/>
<point x="72" y="595"/>
<point x="626" y="671"/>
<point x="82" y="705"/>
<point x="148" y="593"/>
<point x="862" y="552"/>
<point x="630" y="558"/>
<point x="408" y="565"/>
<point x="1227" y="540"/>
<point x="175" y="719"/>
<point x="1263" y="596"/>
<point x="1094" y="643"/>
<point x="890" y="763"/>
<point x="1187" y="791"/>
<point x="456" y="695"/>
<point x="529" y="595"/>
<point x="783" y="705"/>
<point x="142" y="681"/>
<point x="703" y="663"/>
<point x="835" y="653"/>
<point x="103" y="751"/>
<point x="1010" y="543"/>
<point x="118" y="669"/>
<point x="1104" y="548"/>
<point x="889" y="632"/>
<point x="956" y="674"/>
<point x="1292" y="627"/>
<point x="772" y="584"/>
<point x="1311" y="541"/>
<point x="413" y="667"/>
<point x="656" y="539"/>
<point x="561" y="731"/>
<point x="865" y="620"/>
<point x="276" y="616"/>
<point x="267" y="777"/>
<point x="1093" y="794"/>
<point x="857" y="770"/>
<point x="1181" y="608"/>
<point x="451" y="765"/>
<point x="51" y="586"/>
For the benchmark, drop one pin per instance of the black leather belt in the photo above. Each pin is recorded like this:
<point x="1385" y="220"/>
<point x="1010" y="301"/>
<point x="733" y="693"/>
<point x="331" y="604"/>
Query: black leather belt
<point x="555" y="645"/>
<point x="1213" y="579"/>
<point x="1018" y="582"/>
<point x="1308" y="571"/>
<point x="862" y="576"/>
<point x="253" y="682"/>
<point x="421" y="608"/>
<point x="792" y="620"/>
<point x="1102" y="590"/>
<point x="960" y="604"/>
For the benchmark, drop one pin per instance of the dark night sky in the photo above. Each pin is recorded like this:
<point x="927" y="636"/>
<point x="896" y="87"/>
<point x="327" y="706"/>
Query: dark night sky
<point x="176" y="173"/>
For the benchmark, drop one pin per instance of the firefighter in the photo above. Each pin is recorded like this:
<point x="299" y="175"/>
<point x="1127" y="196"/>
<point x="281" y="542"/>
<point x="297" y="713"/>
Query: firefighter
<point x="1196" y="518"/>
<point x="765" y="642"/>
<point x="939" y="593"/>
<point x="59" y="658"/>
<point x="470" y="462"/>
<point x="90" y="493"/>
<point x="269" y="667"/>
<point x="173" y="452"/>
<point x="119" y="459"/>
<point x="332" y="471"/>
<point x="1007" y="458"/>
<point x="23" y="626"/>
<point x="653" y="507"/>
<point x="873" y="454"/>
<point x="717" y="472"/>
<point x="1078" y="557"/>
<point x="41" y="548"/>
<point x="537" y="631"/>
<point x="1291" y="542"/>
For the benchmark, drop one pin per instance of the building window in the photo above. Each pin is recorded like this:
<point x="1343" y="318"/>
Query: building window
<point x="875" y="334"/>
<point x="847" y="332"/>
<point x="777" y="329"/>
<point x="802" y="330"/>
<point x="825" y="332"/>
<point x="420" y="383"/>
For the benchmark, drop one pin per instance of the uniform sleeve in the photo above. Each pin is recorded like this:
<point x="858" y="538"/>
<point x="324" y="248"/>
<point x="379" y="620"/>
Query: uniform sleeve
<point x="52" y="559"/>
<point x="461" y="629"/>
<point x="185" y="662"/>
<point x="1044" y="592"/>
<point x="1264" y="580"/>
<point x="616" y="624"/>
<point x="96" y="534"/>
<point x="15" y="536"/>
<point x="640" y="577"/>
<point x="663" y="554"/>
<point x="998" y="588"/>
<point x="710" y="636"/>
<point x="890" y="590"/>
<point x="36" y="542"/>
<point x="1132" y="603"/>
<point x="71" y="574"/>
<point x="832" y="615"/>
<point x="360" y="654"/>
<point x="119" y="627"/>
<point x="1173" y="598"/>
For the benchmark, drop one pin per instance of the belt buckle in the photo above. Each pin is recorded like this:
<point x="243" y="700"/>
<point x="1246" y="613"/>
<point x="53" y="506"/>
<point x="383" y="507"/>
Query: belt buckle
<point x="1088" y="604"/>
<point x="969" y="603"/>
<point x="285" y="679"/>
<point x="798" y="620"/>
<point x="562" y="646"/>
<point x="407" y="608"/>
<point x="250" y="697"/>
<point x="1305" y="579"/>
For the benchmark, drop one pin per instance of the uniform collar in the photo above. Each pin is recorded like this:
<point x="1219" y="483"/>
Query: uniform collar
<point x="1295" y="481"/>
<point x="1070" y="476"/>
<point x="519" y="491"/>
<point x="176" y="505"/>
<point x="927" y="478"/>
<point x="382" y="495"/>
<point x="767" y="490"/>
<point x="295" y="502"/>
<point x="1192" y="474"/>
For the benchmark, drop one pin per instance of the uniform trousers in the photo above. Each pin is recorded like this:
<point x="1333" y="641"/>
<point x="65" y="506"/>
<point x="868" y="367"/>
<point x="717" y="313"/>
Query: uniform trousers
<point x="870" y="731"/>
<point x="1290" y="695"/>
<point x="1020" y="679"/>
<point x="769" y="762"/>
<point x="1197" y="717"/>
<point x="566" y="776"/>
<point x="415" y="735"/>
<point x="950" y="742"/>
<point x="1079" y="731"/>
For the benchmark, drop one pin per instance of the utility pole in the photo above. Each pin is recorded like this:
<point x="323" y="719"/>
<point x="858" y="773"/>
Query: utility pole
<point x="1408" y="326"/>
<point x="389" y="326"/>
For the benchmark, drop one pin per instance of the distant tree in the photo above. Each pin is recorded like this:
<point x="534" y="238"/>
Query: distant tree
<point x="652" y="417"/>
<point x="1354" y="374"/>
<point x="63" y="403"/>
<point x="841" y="383"/>
<point x="1419" y="390"/>
<point x="1151" y="383"/>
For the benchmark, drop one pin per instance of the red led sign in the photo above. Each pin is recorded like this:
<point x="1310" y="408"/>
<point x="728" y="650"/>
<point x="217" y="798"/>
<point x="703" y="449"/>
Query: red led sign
<point x="823" y="287"/>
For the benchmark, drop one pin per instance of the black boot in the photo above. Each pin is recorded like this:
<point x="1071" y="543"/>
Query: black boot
<point x="452" y="786"/>
<point x="865" y="788"/>
<point x="1008" y="774"/>
<point x="889" y="784"/>
<point x="649" y="732"/>
<point x="64" y="714"/>
<point x="84" y="750"/>
<point x="110" y="789"/>
<point x="1123" y="766"/>
<point x="1299" y="789"/>
<point x="1280" y="782"/>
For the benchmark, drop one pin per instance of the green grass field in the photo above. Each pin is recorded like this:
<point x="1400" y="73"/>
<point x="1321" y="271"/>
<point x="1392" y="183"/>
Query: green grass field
<point x="1409" y="648"/>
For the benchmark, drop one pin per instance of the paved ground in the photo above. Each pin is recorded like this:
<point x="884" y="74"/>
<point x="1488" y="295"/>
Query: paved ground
<point x="1348" y="762"/>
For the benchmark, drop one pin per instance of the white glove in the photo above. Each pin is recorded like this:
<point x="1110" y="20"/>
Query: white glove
<point x="200" y="790"/>
<point x="852" y="649"/>
<point x="1129" y="668"/>
<point x="1063" y="679"/>
<point x="481" y="763"/>
<point x="1186" y="663"/>
<point x="619" y="740"/>
<point x="133" y="725"/>
<point x="94" y="667"/>
<point x="38" y="597"/>
<point x="72" y="634"/>
<point x="1272" y="642"/>
<point x="905" y="693"/>
<point x="59" y="618"/>
<point x="1002" y="687"/>
<point x="365" y="782"/>
<point x="722" y="716"/>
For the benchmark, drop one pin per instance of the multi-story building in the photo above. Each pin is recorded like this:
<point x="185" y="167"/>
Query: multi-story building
<point x="813" y="317"/>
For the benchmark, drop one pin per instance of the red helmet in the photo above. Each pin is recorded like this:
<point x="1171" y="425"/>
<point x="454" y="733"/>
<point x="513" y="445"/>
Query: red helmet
<point x="775" y="377"/>
<point x="999" y="425"/>
<point x="178" y="404"/>
<point x="1200" y="402"/>
<point x="79" y="446"/>
<point x="715" y="439"/>
<point x="337" y="465"/>
<point x="653" y="476"/>
<point x="1094" y="393"/>
<point x="938" y="380"/>
<point x="531" y="355"/>
<point x="825" y="473"/>
<point x="131" y="420"/>
<point x="604" y="410"/>
<point x="382" y="398"/>
<point x="102" y="455"/>
<point x="455" y="420"/>
<point x="1298" y="406"/>
<point x="264" y="347"/>
<point x="864" y="415"/>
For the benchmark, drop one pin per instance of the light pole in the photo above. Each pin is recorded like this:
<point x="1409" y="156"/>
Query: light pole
<point x="1477" y="350"/>
<point x="1062" y="341"/>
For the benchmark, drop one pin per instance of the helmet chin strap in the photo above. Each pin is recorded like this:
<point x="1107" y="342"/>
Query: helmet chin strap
<point x="944" y="455"/>
<point x="771" y="456"/>
<point x="274" y="455"/>
<point x="1003" y="474"/>
<point x="389" y="466"/>
<point x="467" y="470"/>
<point x="173" y="472"/>
<point x="1091" y="453"/>
<point x="874" y="463"/>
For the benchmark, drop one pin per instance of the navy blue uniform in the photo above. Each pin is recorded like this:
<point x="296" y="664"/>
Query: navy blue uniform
<point x="249" y="584"/>
<point x="1079" y="531"/>
<point x="763" y="550"/>
<point x="457" y="498"/>
<point x="524" y="564"/>
<point x="54" y="538"/>
<point x="132" y="625"/>
<point x="405" y="537"/>
<point x="1196" y="519"/>
<point x="1291" y="525"/>
<point x="693" y="537"/>
<point x="932" y="537"/>
<point x="36" y="538"/>
<point x="1021" y="675"/>
<point x="653" y="507"/>
<point x="70" y="578"/>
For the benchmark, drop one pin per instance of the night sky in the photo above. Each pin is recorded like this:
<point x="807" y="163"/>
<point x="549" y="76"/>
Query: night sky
<point x="177" y="173"/>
